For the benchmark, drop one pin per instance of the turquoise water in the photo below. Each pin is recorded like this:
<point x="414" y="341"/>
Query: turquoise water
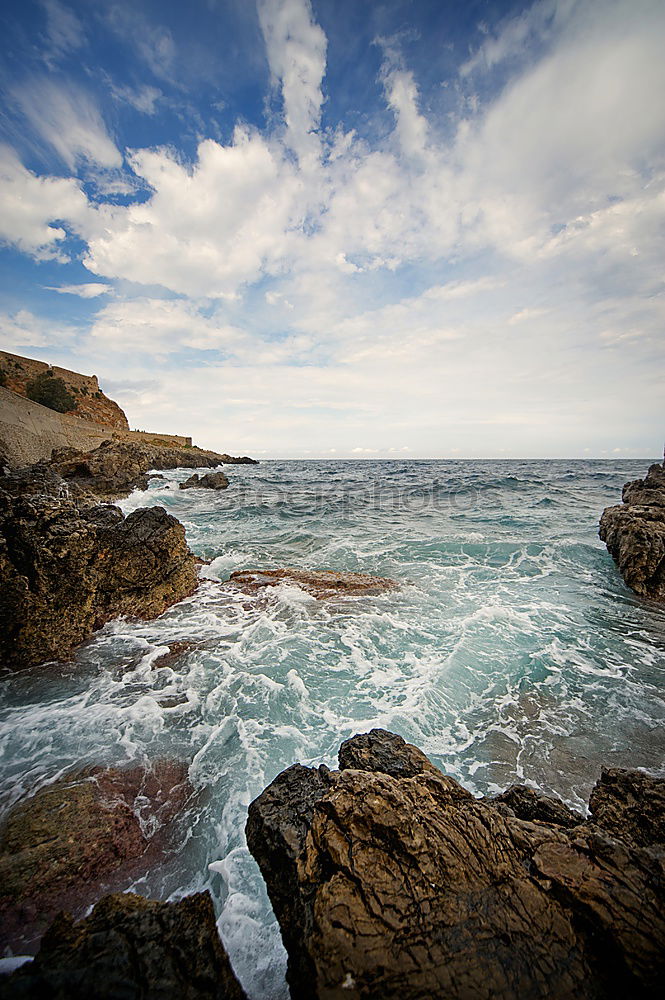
<point x="512" y="652"/>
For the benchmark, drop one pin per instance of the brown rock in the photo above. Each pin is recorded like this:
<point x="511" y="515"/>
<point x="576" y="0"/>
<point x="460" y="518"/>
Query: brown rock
<point x="319" y="583"/>
<point x="131" y="948"/>
<point x="526" y="803"/>
<point x="407" y="887"/>
<point x="112" y="470"/>
<point x="66" y="568"/>
<point x="61" y="847"/>
<point x="635" y="534"/>
<point x="630" y="805"/>
<point x="211" y="481"/>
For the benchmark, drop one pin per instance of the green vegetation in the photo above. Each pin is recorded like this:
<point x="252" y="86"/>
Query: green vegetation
<point x="50" y="391"/>
<point x="3" y="376"/>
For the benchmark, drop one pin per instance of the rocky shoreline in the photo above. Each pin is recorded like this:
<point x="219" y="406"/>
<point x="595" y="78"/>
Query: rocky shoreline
<point x="634" y="533"/>
<point x="388" y="878"/>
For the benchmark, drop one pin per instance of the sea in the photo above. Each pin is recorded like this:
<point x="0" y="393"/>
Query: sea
<point x="511" y="652"/>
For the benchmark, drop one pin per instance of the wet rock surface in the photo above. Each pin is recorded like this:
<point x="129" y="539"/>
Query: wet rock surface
<point x="319" y="583"/>
<point x="67" y="567"/>
<point x="210" y="481"/>
<point x="65" y="845"/>
<point x="389" y="881"/>
<point x="130" y="948"/>
<point x="634" y="533"/>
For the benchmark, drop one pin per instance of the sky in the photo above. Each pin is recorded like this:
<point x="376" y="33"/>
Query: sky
<point x="344" y="229"/>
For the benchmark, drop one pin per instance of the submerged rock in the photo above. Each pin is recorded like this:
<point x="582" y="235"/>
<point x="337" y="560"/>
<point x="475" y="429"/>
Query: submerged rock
<point x="319" y="583"/>
<point x="211" y="481"/>
<point x="634" y="533"/>
<point x="392" y="881"/>
<point x="131" y="948"/>
<point x="67" y="568"/>
<point x="60" y="848"/>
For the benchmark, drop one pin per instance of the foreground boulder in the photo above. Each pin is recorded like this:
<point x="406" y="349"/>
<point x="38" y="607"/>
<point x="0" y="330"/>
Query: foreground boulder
<point x="211" y="481"/>
<point x="63" y="846"/>
<point x="66" y="568"/>
<point x="389" y="880"/>
<point x="634" y="533"/>
<point x="319" y="583"/>
<point x="130" y="948"/>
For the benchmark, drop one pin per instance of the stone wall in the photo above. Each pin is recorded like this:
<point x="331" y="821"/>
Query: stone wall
<point x="29" y="431"/>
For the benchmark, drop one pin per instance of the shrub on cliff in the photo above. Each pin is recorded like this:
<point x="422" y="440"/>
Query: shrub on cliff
<point x="51" y="392"/>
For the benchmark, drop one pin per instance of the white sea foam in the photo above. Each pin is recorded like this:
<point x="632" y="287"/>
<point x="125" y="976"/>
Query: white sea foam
<point x="508" y="647"/>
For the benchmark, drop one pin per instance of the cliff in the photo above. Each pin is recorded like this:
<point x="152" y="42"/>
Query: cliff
<point x="634" y="533"/>
<point x="91" y="403"/>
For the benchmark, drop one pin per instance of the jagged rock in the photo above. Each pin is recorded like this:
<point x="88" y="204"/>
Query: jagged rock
<point x="60" y="848"/>
<point x="113" y="469"/>
<point x="211" y="481"/>
<point x="380" y="750"/>
<point x="407" y="887"/>
<point x="319" y="583"/>
<point x="66" y="569"/>
<point x="131" y="948"/>
<point x="634" y="533"/>
<point x="630" y="805"/>
<point x="189" y="458"/>
<point x="526" y="803"/>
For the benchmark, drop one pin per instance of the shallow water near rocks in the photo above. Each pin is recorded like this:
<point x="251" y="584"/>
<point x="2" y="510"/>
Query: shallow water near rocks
<point x="511" y="652"/>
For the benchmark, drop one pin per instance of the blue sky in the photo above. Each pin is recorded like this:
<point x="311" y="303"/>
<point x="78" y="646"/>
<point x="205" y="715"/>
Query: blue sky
<point x="344" y="229"/>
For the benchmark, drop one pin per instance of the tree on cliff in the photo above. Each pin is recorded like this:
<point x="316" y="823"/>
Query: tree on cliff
<point x="51" y="392"/>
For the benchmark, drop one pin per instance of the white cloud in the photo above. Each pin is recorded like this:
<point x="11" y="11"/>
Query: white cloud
<point x="143" y="99"/>
<point x="65" y="117"/>
<point x="296" y="48"/>
<point x="31" y="207"/>
<point x="64" y="31"/>
<point x="23" y="329"/>
<point x="91" y="290"/>
<point x="161" y="326"/>
<point x="207" y="229"/>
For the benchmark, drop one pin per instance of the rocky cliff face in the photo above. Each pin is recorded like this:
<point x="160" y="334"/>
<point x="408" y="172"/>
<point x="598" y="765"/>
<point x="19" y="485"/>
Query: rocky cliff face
<point x="634" y="533"/>
<point x="67" y="567"/>
<point x="390" y="880"/>
<point x="131" y="948"/>
<point x="91" y="403"/>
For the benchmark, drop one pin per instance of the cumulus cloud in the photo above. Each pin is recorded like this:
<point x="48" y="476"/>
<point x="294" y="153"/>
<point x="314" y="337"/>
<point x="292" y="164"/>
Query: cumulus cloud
<point x="31" y="207"/>
<point x="411" y="282"/>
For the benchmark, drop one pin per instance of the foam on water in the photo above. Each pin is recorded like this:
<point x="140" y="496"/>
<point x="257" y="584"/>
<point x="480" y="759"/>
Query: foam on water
<point x="512" y="651"/>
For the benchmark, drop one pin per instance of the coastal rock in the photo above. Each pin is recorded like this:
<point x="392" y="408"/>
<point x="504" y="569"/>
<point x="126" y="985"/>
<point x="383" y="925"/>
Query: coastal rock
<point x="131" y="948"/>
<point x="319" y="583"/>
<point x="634" y="533"/>
<point x="67" y="568"/>
<point x="60" y="848"/>
<point x="113" y="469"/>
<point x="189" y="458"/>
<point x="211" y="481"/>
<point x="630" y="805"/>
<point x="394" y="882"/>
<point x="526" y="803"/>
